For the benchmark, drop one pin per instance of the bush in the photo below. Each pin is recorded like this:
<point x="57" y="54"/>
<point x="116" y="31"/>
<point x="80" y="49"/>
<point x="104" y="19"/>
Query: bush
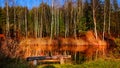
<point x="117" y="49"/>
<point x="7" y="62"/>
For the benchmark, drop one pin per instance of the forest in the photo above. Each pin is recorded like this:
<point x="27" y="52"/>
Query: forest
<point x="86" y="30"/>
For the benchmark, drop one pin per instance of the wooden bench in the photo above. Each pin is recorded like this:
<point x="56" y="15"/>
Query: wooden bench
<point x="43" y="59"/>
<point x="36" y="58"/>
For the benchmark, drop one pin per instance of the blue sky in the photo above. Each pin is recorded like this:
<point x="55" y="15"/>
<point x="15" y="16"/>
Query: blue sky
<point x="28" y="3"/>
<point x="31" y="3"/>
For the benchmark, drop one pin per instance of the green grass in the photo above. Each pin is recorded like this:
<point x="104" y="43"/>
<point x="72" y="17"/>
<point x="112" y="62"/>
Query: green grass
<point x="91" y="64"/>
<point x="100" y="63"/>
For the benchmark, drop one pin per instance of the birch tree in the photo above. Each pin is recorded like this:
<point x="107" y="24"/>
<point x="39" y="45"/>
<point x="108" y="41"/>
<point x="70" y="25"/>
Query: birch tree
<point x="94" y="18"/>
<point x="116" y="16"/>
<point x="67" y="20"/>
<point x="75" y="22"/>
<point x="36" y="22"/>
<point x="7" y="20"/>
<point x="104" y="18"/>
<point x="109" y="17"/>
<point x="41" y="22"/>
<point x="26" y="22"/>
<point x="14" y="17"/>
<point x="79" y="13"/>
<point x="52" y="22"/>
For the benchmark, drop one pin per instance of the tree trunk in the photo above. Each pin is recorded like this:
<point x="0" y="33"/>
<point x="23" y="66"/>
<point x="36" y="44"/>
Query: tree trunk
<point x="75" y="33"/>
<point x="7" y="20"/>
<point x="55" y="21"/>
<point x="67" y="20"/>
<point x="104" y="20"/>
<point x="79" y="11"/>
<point x="109" y="17"/>
<point x="14" y="19"/>
<point x="26" y="22"/>
<point x="41" y="22"/>
<point x="66" y="25"/>
<point x="36" y="23"/>
<point x="94" y="19"/>
<point x="52" y="22"/>
<point x="58" y="22"/>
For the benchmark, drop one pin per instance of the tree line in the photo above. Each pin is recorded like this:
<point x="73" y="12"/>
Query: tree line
<point x="68" y="20"/>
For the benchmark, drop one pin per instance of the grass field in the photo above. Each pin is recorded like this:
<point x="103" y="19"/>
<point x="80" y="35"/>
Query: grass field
<point x="90" y="64"/>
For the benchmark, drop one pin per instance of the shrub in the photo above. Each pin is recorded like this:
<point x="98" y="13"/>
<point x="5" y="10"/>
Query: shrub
<point x="117" y="49"/>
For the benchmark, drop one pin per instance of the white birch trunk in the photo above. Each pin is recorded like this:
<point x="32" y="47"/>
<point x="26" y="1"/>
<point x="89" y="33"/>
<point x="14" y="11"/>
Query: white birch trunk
<point x="26" y="22"/>
<point x="7" y="20"/>
<point x="14" y="19"/>
<point x="94" y="19"/>
<point x="41" y="22"/>
<point x="52" y="22"/>
<point x="75" y="33"/>
<point x="109" y="18"/>
<point x="104" y="20"/>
